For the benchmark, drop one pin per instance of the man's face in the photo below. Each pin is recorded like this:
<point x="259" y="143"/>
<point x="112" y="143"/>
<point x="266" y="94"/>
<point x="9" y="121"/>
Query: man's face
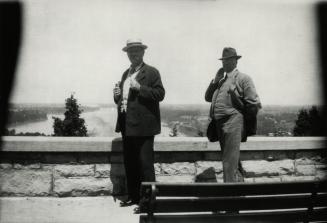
<point x="229" y="64"/>
<point x="135" y="55"/>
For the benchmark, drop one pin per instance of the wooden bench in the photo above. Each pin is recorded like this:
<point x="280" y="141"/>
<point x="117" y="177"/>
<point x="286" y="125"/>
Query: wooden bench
<point x="304" y="201"/>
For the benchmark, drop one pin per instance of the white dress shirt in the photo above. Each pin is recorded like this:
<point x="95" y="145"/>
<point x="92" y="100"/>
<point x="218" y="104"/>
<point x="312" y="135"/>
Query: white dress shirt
<point x="127" y="86"/>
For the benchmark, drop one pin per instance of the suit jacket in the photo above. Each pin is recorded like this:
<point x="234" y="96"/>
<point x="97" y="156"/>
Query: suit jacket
<point x="244" y="98"/>
<point x="143" y="113"/>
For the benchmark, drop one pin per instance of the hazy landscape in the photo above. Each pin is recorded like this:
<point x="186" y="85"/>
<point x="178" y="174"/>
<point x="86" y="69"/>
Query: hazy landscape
<point x="177" y="120"/>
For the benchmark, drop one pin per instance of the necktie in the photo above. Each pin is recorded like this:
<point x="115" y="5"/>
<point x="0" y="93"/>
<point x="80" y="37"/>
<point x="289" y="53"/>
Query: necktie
<point x="221" y="81"/>
<point x="131" y="71"/>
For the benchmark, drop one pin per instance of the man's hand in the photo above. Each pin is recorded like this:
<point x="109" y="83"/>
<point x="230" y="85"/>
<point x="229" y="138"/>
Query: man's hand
<point x="117" y="91"/>
<point x="135" y="85"/>
<point x="219" y="75"/>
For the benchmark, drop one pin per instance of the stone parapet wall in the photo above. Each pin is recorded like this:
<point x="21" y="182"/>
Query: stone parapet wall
<point x="28" y="172"/>
<point x="109" y="179"/>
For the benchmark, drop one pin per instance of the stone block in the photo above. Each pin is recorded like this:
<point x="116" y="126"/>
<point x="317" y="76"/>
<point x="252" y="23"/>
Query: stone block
<point x="84" y="186"/>
<point x="102" y="170"/>
<point x="321" y="174"/>
<point x="296" y="178"/>
<point x="48" y="167"/>
<point x="266" y="179"/>
<point x="321" y="167"/>
<point x="107" y="170"/>
<point x="321" y="171"/>
<point x="305" y="170"/>
<point x="175" y="178"/>
<point x="261" y="168"/>
<point x="5" y="165"/>
<point x="29" y="166"/>
<point x="321" y="161"/>
<point x="157" y="168"/>
<point x="178" y="168"/>
<point x="208" y="169"/>
<point x="25" y="182"/>
<point x="73" y="170"/>
<point x="304" y="161"/>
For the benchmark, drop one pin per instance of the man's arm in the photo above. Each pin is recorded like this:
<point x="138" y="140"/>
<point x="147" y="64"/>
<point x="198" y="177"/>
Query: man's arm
<point x="210" y="91"/>
<point x="155" y="91"/>
<point x="214" y="85"/>
<point x="250" y="97"/>
<point x="250" y="94"/>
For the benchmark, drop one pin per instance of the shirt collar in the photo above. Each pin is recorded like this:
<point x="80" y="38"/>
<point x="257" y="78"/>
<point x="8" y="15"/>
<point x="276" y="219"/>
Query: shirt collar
<point x="230" y="73"/>
<point x="137" y="68"/>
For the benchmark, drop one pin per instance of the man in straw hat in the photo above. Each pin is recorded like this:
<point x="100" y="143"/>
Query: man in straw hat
<point x="234" y="106"/>
<point x="137" y="96"/>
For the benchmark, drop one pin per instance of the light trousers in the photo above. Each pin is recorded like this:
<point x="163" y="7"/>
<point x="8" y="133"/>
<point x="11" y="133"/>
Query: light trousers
<point x="230" y="130"/>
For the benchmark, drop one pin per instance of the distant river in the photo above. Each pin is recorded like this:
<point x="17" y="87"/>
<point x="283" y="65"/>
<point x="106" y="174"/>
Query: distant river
<point x="101" y="122"/>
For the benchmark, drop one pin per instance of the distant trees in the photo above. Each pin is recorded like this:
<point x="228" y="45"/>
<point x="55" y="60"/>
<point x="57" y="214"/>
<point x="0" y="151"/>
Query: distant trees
<point x="309" y="123"/>
<point x="266" y="124"/>
<point x="174" y="130"/>
<point x="72" y="125"/>
<point x="12" y="132"/>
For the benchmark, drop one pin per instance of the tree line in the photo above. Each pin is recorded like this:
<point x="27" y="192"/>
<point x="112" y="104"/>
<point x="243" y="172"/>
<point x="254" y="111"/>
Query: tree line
<point x="310" y="123"/>
<point x="307" y="122"/>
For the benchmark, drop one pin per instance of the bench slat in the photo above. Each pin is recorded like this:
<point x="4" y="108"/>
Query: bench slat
<point x="290" y="216"/>
<point x="236" y="189"/>
<point x="238" y="203"/>
<point x="176" y="202"/>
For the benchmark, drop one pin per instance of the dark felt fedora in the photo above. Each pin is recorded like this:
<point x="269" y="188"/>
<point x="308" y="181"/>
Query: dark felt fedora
<point x="229" y="52"/>
<point x="134" y="43"/>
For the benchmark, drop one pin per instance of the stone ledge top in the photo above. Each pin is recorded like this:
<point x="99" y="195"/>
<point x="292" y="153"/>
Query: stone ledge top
<point x="162" y="144"/>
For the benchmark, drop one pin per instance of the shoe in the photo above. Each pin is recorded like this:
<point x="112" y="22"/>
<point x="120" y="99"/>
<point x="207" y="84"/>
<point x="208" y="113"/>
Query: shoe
<point x="137" y="210"/>
<point x="127" y="203"/>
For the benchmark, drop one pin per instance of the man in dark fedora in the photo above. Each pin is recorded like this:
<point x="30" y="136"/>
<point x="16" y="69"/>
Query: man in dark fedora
<point x="137" y="96"/>
<point x="234" y="106"/>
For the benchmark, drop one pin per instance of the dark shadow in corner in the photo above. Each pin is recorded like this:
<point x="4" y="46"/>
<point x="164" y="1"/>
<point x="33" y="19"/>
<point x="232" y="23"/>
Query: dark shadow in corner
<point x="10" y="39"/>
<point x="117" y="170"/>
<point x="321" y="13"/>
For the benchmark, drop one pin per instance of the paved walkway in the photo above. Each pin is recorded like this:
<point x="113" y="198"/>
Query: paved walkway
<point x="65" y="210"/>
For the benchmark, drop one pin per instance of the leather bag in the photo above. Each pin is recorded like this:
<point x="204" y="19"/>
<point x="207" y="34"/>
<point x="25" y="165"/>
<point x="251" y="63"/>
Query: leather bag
<point x="212" y="134"/>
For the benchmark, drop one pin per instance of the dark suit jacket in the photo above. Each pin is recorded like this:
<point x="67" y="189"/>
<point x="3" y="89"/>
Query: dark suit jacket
<point x="143" y="114"/>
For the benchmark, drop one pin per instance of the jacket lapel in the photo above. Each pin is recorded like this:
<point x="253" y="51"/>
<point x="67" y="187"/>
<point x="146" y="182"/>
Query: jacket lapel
<point x="124" y="78"/>
<point x="141" y="73"/>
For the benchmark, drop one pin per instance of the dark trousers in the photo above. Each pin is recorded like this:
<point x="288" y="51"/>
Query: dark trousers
<point x="230" y="130"/>
<point x="139" y="163"/>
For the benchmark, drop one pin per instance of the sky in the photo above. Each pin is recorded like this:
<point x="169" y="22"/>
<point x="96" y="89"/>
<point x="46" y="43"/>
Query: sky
<point x="76" y="46"/>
